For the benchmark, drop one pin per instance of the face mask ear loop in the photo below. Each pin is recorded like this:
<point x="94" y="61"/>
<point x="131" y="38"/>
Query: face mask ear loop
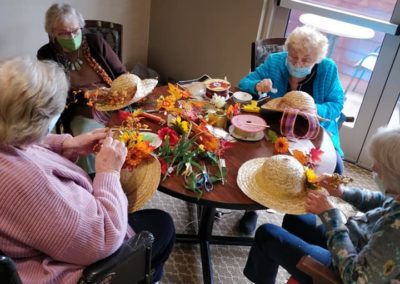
<point x="287" y="122"/>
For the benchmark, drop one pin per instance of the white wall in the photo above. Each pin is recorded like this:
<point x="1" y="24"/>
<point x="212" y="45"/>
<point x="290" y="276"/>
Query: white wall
<point x="190" y="37"/>
<point x="22" y="25"/>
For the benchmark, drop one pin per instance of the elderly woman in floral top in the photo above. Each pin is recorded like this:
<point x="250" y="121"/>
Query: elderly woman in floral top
<point x="365" y="249"/>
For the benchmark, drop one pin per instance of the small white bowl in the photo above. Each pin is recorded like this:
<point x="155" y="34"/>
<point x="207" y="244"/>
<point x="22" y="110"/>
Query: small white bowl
<point x="242" y="97"/>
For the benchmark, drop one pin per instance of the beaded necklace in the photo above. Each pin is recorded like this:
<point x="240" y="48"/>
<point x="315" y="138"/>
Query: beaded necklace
<point x="94" y="65"/>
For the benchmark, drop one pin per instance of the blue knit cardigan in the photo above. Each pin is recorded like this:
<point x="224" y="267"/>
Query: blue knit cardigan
<point x="327" y="89"/>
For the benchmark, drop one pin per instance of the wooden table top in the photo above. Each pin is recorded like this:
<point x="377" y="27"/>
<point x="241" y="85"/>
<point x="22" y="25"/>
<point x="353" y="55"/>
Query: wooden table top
<point x="229" y="195"/>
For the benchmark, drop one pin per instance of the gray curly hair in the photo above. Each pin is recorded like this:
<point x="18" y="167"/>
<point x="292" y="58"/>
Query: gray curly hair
<point x="384" y="148"/>
<point x="307" y="39"/>
<point x="61" y="13"/>
<point x="32" y="93"/>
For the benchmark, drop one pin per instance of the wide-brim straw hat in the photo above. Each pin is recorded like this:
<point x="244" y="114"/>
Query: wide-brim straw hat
<point x="132" y="86"/>
<point x="140" y="183"/>
<point x="299" y="100"/>
<point x="276" y="182"/>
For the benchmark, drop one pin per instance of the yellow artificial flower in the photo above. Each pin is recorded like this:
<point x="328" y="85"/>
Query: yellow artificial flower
<point x="311" y="179"/>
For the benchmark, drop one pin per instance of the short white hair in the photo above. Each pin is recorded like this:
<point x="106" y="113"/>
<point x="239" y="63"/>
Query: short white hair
<point x="308" y="40"/>
<point x="385" y="151"/>
<point x="32" y="93"/>
<point x="61" y="13"/>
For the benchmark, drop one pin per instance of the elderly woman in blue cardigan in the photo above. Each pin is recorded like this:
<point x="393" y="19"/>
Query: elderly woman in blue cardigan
<point x="304" y="67"/>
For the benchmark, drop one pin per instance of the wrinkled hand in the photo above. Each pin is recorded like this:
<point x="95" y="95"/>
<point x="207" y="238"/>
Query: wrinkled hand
<point x="329" y="183"/>
<point x="264" y="86"/>
<point x="317" y="202"/>
<point x="83" y="144"/>
<point x="111" y="156"/>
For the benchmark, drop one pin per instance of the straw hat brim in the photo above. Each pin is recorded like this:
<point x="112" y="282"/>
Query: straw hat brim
<point x="143" y="89"/>
<point x="267" y="194"/>
<point x="140" y="183"/>
<point x="275" y="105"/>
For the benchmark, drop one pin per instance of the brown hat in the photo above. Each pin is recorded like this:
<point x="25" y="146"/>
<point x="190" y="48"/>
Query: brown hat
<point x="141" y="182"/>
<point x="294" y="100"/>
<point x="277" y="182"/>
<point x="127" y="89"/>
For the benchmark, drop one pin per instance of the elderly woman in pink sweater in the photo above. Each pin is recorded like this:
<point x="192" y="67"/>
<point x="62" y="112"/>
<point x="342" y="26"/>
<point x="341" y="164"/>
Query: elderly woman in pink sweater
<point x="55" y="220"/>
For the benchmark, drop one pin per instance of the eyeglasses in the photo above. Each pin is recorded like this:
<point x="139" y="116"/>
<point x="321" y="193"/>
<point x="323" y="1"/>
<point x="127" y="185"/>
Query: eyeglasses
<point x="63" y="33"/>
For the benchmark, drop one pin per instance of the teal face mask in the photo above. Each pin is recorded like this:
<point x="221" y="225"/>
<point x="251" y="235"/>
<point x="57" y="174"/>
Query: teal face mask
<point x="71" y="44"/>
<point x="298" y="72"/>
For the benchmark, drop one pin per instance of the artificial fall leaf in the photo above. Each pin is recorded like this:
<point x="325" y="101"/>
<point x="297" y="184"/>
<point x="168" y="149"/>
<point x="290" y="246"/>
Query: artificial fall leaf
<point x="300" y="156"/>
<point x="177" y="92"/>
<point x="271" y="135"/>
<point x="315" y="155"/>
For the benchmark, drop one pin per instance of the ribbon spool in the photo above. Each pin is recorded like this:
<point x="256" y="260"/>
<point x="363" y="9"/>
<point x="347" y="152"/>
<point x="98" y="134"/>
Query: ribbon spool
<point x="217" y="86"/>
<point x="217" y="118"/>
<point x="247" y="127"/>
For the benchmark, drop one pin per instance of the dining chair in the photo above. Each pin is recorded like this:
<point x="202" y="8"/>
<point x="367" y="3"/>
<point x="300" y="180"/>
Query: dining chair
<point x="131" y="263"/>
<point x="111" y="32"/>
<point x="367" y="63"/>
<point x="260" y="49"/>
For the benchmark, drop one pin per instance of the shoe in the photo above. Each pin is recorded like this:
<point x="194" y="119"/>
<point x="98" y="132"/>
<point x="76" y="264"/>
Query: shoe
<point x="248" y="222"/>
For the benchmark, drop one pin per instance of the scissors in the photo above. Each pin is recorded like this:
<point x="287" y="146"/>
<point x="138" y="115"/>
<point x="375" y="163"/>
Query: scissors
<point x="203" y="180"/>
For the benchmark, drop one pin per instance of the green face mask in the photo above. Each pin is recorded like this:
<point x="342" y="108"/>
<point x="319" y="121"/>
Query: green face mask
<point x="70" y="43"/>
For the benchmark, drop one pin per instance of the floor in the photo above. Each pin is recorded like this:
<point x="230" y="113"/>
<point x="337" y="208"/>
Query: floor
<point x="184" y="264"/>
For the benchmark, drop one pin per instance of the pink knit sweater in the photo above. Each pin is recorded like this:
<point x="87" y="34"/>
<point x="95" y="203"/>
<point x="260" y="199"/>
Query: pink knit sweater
<point x="54" y="220"/>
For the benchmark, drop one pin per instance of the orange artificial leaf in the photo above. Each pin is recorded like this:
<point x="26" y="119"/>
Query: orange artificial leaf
<point x="300" y="156"/>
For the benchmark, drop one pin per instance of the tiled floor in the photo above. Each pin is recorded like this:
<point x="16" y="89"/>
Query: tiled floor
<point x="184" y="264"/>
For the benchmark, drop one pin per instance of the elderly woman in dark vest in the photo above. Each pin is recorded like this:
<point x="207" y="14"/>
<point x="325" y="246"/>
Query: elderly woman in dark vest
<point x="88" y="61"/>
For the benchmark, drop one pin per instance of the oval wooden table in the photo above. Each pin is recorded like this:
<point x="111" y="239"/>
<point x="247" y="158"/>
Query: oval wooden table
<point x="229" y="195"/>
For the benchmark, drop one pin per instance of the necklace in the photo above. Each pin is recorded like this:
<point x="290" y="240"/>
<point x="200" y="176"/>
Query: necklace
<point x="73" y="65"/>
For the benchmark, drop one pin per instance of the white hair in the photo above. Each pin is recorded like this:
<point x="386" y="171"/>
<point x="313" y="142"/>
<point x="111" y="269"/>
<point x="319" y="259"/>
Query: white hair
<point x="308" y="40"/>
<point x="385" y="150"/>
<point x="32" y="93"/>
<point x="61" y="13"/>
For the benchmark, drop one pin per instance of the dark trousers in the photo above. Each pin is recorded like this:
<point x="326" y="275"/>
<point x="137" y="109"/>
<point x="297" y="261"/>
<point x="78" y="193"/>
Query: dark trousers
<point x="160" y="224"/>
<point x="285" y="246"/>
<point x="339" y="169"/>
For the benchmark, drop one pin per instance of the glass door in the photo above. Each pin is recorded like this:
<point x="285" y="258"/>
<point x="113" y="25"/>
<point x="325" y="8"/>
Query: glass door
<point x="364" y="46"/>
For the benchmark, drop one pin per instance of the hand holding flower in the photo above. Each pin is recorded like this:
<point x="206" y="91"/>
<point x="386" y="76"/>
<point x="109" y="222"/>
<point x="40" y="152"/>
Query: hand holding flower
<point x="111" y="156"/>
<point x="317" y="202"/>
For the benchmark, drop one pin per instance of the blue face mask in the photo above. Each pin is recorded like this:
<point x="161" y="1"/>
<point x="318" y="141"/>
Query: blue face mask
<point x="379" y="182"/>
<point x="298" y="72"/>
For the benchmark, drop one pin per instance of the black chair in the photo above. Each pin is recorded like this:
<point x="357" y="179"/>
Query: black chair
<point x="260" y="49"/>
<point x="111" y="32"/>
<point x="131" y="263"/>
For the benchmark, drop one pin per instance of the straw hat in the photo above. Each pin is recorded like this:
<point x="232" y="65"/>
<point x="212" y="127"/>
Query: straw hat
<point x="277" y="182"/>
<point x="131" y="87"/>
<point x="141" y="183"/>
<point x="294" y="100"/>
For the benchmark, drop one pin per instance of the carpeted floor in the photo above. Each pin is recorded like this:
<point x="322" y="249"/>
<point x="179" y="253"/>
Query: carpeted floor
<point x="184" y="264"/>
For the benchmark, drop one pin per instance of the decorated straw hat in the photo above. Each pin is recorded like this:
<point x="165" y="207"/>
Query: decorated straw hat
<point x="298" y="100"/>
<point x="125" y="90"/>
<point x="277" y="182"/>
<point x="140" y="183"/>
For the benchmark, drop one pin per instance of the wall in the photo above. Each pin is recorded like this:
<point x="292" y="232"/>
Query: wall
<point x="22" y="25"/>
<point x="190" y="38"/>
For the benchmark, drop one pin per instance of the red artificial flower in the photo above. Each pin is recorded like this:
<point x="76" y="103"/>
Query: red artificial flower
<point x="315" y="155"/>
<point x="164" y="166"/>
<point x="123" y="115"/>
<point x="172" y="135"/>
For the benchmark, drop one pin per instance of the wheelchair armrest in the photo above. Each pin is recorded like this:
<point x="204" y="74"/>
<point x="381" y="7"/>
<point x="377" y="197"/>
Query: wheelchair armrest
<point x="131" y="263"/>
<point x="317" y="271"/>
<point x="8" y="271"/>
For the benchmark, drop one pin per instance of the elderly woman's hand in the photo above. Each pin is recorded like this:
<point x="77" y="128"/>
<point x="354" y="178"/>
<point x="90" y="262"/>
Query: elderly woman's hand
<point x="264" y="86"/>
<point x="111" y="156"/>
<point x="328" y="182"/>
<point x="83" y="144"/>
<point x="317" y="202"/>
